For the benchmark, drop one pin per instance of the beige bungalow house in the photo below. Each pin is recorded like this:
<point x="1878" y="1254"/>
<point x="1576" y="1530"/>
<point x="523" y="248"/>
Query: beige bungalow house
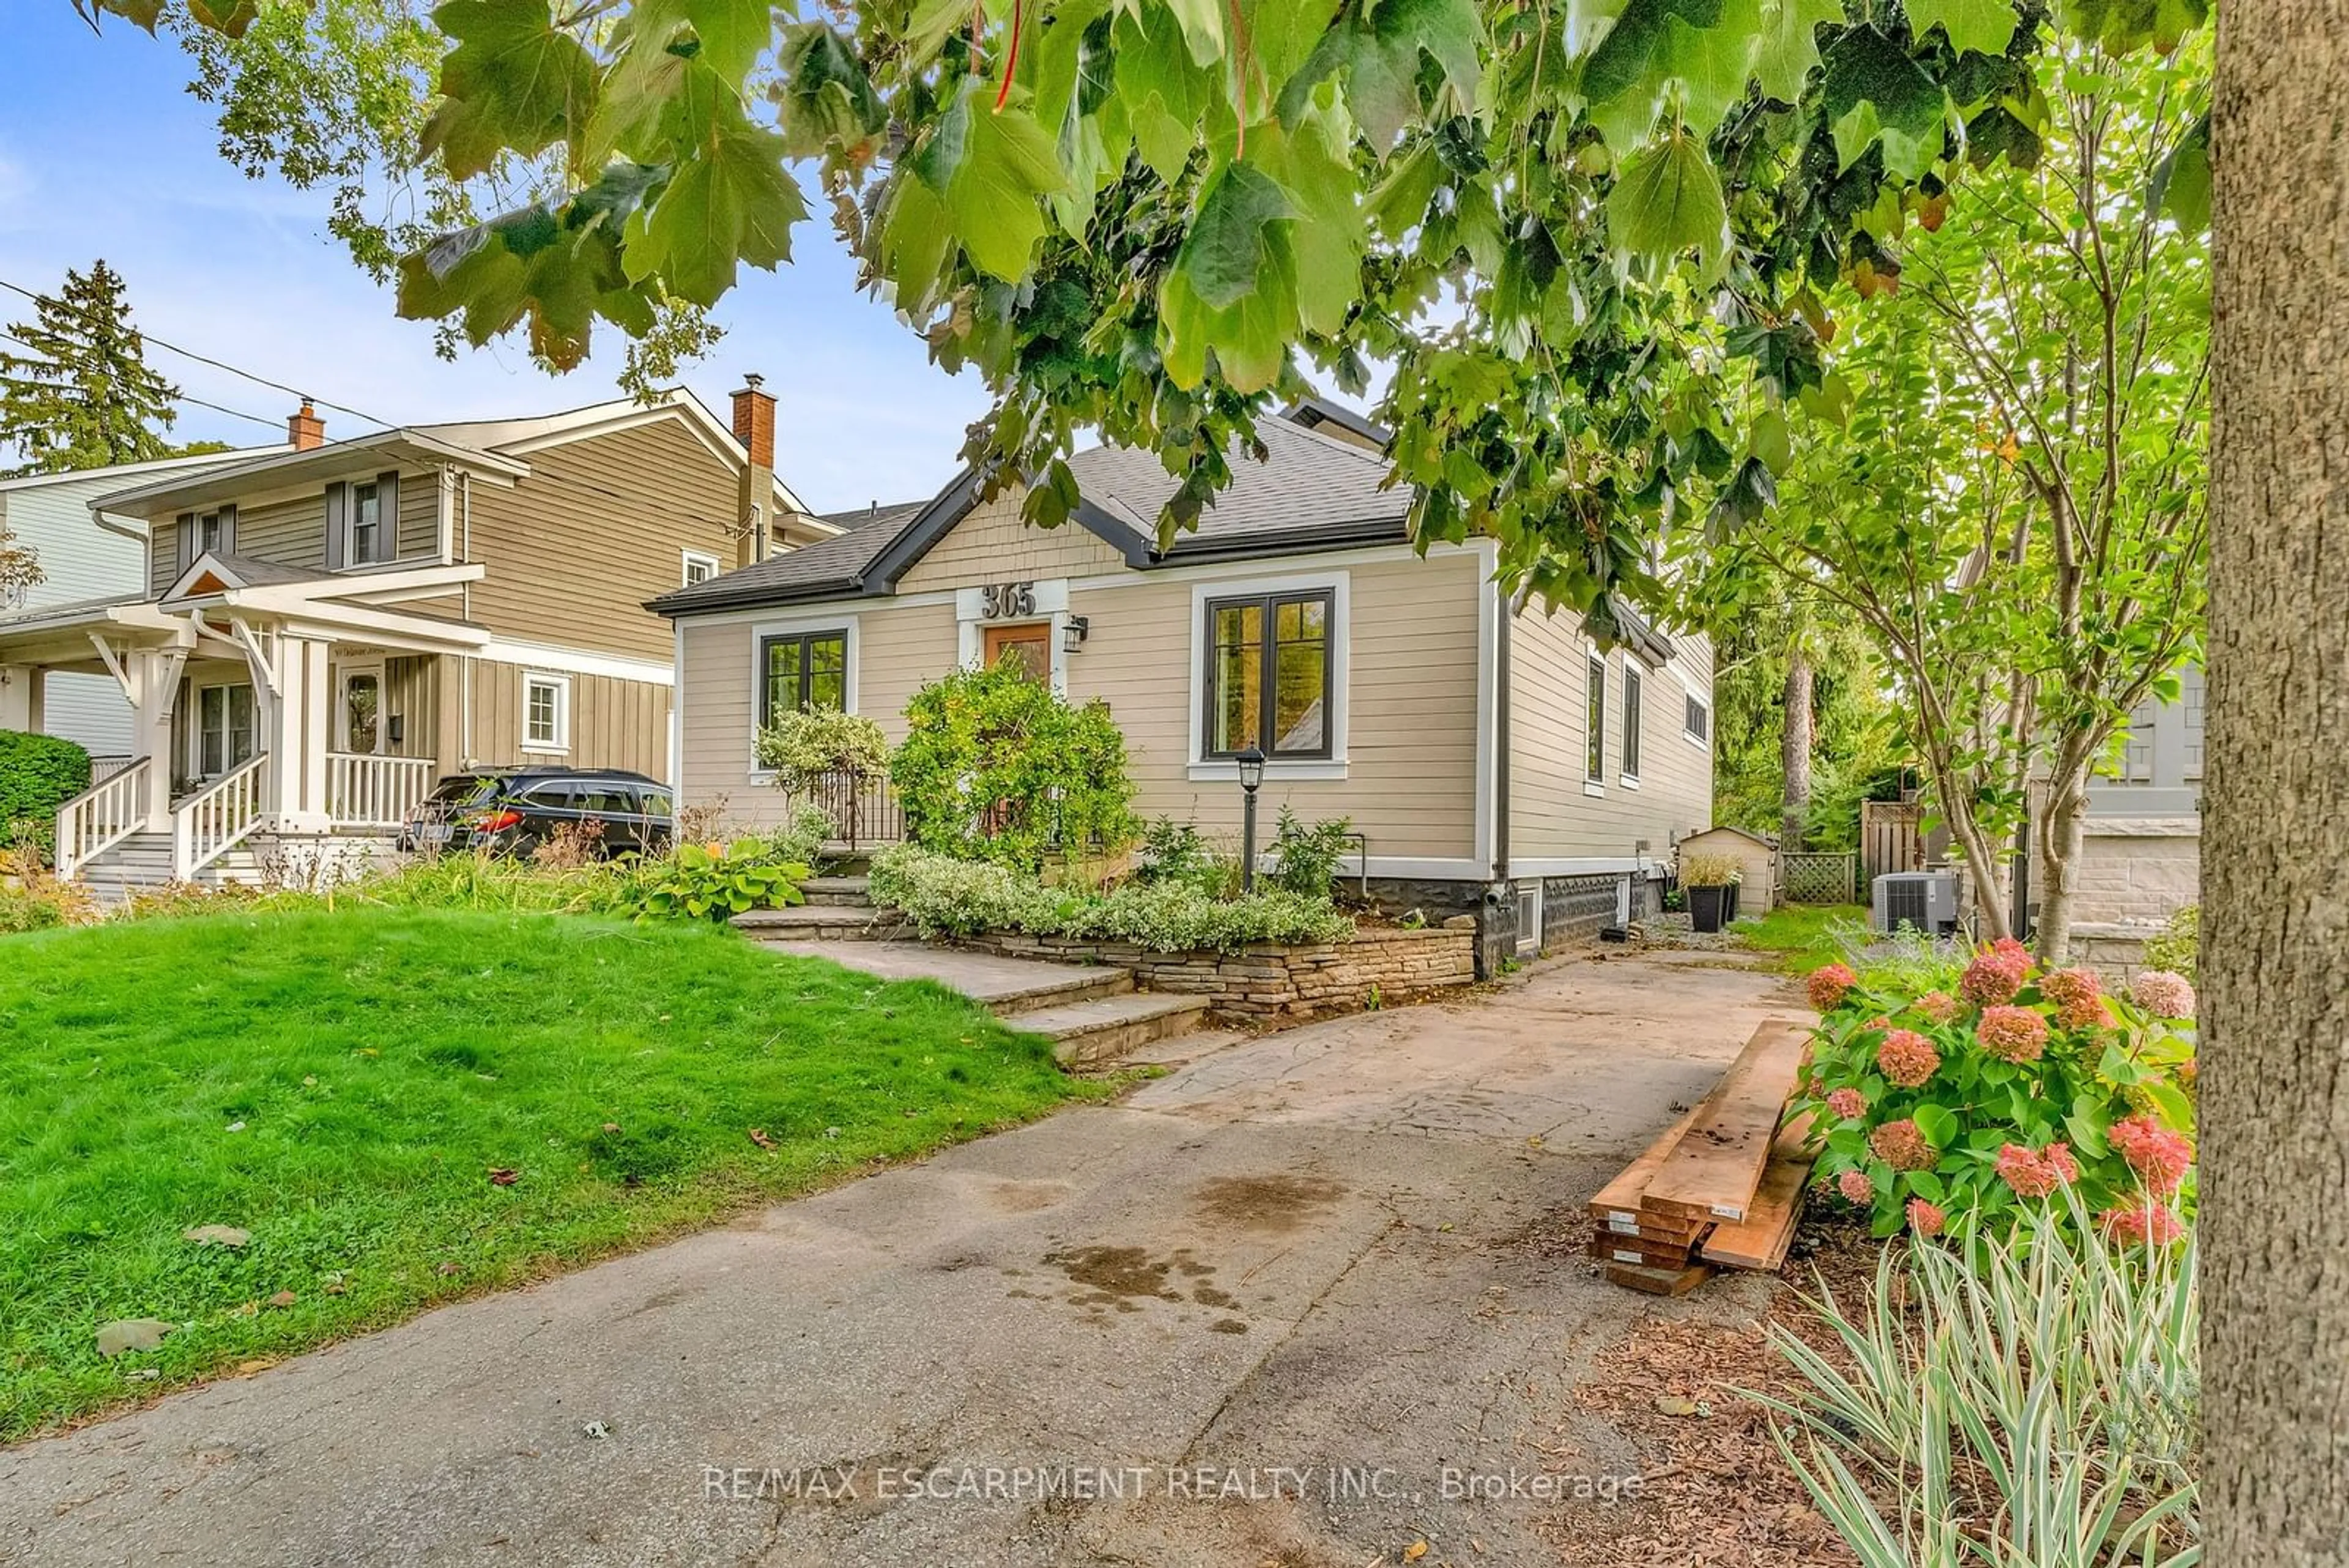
<point x="1494" y="759"/>
<point x="327" y="626"/>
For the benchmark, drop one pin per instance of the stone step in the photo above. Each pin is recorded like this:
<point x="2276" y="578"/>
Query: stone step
<point x="838" y="892"/>
<point x="819" y="922"/>
<point x="1005" y="986"/>
<point x="1099" y="1032"/>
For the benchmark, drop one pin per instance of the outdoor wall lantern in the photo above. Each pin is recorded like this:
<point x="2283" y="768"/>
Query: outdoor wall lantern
<point x="1075" y="633"/>
<point x="1251" y="763"/>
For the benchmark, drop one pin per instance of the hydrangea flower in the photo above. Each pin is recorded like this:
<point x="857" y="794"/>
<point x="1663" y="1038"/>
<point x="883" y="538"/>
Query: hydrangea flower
<point x="2035" y="1173"/>
<point x="2158" y="1156"/>
<point x="1925" y="1219"/>
<point x="1938" y="1006"/>
<point x="2164" y="994"/>
<point x="1901" y="1146"/>
<point x="2012" y="1033"/>
<point x="1848" y="1102"/>
<point x="2078" y="997"/>
<point x="1855" y="1188"/>
<point x="1907" y="1058"/>
<point x="1829" y="984"/>
<point x="2144" y="1224"/>
<point x="1994" y="977"/>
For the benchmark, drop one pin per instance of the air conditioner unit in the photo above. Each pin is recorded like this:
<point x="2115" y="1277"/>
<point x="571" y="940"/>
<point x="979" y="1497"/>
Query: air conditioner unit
<point x="1922" y="901"/>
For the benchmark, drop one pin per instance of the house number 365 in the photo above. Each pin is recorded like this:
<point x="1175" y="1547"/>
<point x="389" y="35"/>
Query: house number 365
<point x="1000" y="600"/>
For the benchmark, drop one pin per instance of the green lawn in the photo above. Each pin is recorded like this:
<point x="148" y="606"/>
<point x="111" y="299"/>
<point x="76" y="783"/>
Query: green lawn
<point x="342" y="1086"/>
<point x="1797" y="934"/>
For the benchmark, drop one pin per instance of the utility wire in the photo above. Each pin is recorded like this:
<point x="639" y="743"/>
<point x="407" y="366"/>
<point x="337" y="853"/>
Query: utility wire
<point x="202" y="359"/>
<point x="183" y="398"/>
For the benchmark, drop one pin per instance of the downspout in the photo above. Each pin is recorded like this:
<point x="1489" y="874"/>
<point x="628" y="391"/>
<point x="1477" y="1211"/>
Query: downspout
<point x="1501" y="736"/>
<point x="465" y="609"/>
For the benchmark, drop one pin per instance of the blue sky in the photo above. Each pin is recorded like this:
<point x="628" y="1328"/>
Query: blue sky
<point x="103" y="153"/>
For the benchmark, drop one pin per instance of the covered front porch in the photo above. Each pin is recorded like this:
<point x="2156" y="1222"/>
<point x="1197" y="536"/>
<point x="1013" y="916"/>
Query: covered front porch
<point x="267" y="737"/>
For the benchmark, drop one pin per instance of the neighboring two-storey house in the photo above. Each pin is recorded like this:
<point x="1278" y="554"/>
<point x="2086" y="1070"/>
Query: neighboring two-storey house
<point x="327" y="627"/>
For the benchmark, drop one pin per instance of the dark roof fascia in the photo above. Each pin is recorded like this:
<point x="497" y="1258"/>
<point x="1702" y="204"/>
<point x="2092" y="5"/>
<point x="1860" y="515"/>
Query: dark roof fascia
<point x="751" y="595"/>
<point x="1293" y="542"/>
<point x="930" y="524"/>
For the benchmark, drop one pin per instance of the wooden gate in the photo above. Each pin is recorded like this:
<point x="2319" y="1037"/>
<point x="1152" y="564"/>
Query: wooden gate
<point x="1891" y="838"/>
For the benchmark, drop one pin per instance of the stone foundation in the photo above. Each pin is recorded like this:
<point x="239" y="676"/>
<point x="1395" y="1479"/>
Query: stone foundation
<point x="2137" y="869"/>
<point x="1270" y="979"/>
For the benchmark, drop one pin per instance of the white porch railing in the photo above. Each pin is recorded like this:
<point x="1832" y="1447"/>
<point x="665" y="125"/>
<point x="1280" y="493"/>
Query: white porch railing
<point x="216" y="818"/>
<point x="365" y="791"/>
<point x="102" y="815"/>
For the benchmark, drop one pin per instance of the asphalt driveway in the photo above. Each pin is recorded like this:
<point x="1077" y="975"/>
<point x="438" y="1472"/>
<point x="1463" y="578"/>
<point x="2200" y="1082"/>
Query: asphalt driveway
<point x="1275" y="1307"/>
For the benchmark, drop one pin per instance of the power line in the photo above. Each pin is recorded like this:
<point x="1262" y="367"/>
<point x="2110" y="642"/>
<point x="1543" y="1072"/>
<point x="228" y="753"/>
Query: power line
<point x="203" y="360"/>
<point x="181" y="398"/>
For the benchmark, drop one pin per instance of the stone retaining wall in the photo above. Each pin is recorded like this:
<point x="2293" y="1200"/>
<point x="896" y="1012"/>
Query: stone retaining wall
<point x="1270" y="979"/>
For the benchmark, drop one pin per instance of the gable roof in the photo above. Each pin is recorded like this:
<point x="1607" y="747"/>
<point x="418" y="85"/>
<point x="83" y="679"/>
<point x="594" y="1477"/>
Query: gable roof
<point x="1312" y="491"/>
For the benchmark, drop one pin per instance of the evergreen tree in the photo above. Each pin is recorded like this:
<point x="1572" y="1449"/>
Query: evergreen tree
<point x="82" y="396"/>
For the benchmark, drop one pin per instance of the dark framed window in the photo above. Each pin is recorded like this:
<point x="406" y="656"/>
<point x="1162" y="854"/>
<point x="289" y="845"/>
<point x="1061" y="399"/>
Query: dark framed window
<point x="1594" y="760"/>
<point x="370" y="540"/>
<point x="1696" y="720"/>
<point x="1269" y="674"/>
<point x="801" y="670"/>
<point x="1634" y="692"/>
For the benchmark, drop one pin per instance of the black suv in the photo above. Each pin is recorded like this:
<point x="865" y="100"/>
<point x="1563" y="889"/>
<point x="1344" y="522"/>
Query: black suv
<point x="511" y="811"/>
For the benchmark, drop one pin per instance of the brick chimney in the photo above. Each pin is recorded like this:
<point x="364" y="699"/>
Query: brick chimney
<point x="754" y="427"/>
<point x="304" y="429"/>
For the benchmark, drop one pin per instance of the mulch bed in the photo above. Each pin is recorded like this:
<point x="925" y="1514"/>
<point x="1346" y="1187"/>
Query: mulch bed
<point x="1713" y="1489"/>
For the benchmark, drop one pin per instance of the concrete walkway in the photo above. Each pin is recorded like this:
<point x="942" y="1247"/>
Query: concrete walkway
<point x="1293" y="1273"/>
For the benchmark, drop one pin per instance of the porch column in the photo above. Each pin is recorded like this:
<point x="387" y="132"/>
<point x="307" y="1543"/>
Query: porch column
<point x="21" y="690"/>
<point x="299" y="735"/>
<point x="153" y="689"/>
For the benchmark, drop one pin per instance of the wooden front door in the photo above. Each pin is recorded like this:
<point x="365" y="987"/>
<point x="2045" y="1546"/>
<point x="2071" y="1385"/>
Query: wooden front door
<point x="1030" y="645"/>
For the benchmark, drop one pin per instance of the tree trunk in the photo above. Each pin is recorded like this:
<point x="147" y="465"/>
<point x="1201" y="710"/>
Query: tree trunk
<point x="2055" y="843"/>
<point x="2275" y="926"/>
<point x="1795" y="749"/>
<point x="1983" y="868"/>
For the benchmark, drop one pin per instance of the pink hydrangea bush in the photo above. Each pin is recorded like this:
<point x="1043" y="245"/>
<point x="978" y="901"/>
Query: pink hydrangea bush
<point x="1958" y="1101"/>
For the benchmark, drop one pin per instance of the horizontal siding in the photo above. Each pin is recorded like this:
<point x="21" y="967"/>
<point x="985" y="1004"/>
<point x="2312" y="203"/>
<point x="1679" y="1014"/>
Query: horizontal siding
<point x="78" y="560"/>
<point x="291" y="530"/>
<point x="1551" y="816"/>
<point x="574" y="550"/>
<point x="419" y="535"/>
<point x="993" y="544"/>
<point x="291" y="533"/>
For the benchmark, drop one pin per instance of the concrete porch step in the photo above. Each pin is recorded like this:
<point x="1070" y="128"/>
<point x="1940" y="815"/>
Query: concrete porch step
<point x="1100" y="1032"/>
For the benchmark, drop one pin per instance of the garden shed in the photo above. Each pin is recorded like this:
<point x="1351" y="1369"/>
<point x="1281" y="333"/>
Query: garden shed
<point x="1756" y="855"/>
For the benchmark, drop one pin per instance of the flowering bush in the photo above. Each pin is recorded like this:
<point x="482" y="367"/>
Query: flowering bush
<point x="1971" y="1096"/>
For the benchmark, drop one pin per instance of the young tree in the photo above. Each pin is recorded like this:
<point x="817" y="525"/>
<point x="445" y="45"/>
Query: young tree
<point x="2275" y="1108"/>
<point x="2015" y="508"/>
<point x="82" y="396"/>
<point x="20" y="569"/>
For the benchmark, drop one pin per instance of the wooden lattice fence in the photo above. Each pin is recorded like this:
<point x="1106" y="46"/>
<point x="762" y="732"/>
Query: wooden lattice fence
<point x="1805" y="878"/>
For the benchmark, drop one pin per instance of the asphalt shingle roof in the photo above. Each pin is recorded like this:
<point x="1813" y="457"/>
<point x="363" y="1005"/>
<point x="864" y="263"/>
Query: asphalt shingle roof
<point x="1310" y="487"/>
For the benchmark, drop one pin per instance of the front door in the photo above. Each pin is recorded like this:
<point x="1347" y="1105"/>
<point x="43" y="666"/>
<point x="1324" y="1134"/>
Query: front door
<point x="1028" y="646"/>
<point x="360" y="722"/>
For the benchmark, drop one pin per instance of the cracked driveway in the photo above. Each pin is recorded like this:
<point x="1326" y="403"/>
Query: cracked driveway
<point x="1292" y="1274"/>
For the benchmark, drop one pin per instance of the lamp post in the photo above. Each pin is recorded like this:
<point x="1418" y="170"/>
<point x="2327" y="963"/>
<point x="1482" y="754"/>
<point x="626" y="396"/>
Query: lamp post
<point x="1251" y="763"/>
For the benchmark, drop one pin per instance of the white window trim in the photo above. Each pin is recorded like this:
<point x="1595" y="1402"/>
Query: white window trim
<point x="1630" y="671"/>
<point x="561" y="686"/>
<point x="796" y="626"/>
<point x="1338" y="585"/>
<point x="1529" y="943"/>
<point x="1594" y="784"/>
<point x="386" y="528"/>
<point x="688" y="559"/>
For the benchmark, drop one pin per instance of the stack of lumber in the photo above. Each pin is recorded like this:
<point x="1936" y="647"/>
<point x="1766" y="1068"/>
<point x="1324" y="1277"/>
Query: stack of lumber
<point x="1723" y="1187"/>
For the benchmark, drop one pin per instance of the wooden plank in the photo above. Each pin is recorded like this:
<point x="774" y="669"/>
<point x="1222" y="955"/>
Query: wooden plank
<point x="1714" y="1170"/>
<point x="1659" y="1282"/>
<point x="1760" y="1240"/>
<point x="1619" y="1202"/>
<point x="1641" y="1250"/>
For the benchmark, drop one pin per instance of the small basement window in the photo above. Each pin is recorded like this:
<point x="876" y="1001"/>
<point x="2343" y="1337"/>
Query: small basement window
<point x="1529" y="918"/>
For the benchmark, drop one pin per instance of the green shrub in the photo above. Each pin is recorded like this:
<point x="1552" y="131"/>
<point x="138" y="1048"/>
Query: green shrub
<point x="21" y="911"/>
<point x="1305" y="858"/>
<point x="946" y="897"/>
<point x="1967" y="1105"/>
<point x="2179" y="944"/>
<point x="996" y="767"/>
<point x="716" y="882"/>
<point x="38" y="773"/>
<point x="2031" y="1404"/>
<point x="825" y="752"/>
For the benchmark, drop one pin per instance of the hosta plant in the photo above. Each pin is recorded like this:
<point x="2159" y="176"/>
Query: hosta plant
<point x="1968" y="1104"/>
<point x="718" y="881"/>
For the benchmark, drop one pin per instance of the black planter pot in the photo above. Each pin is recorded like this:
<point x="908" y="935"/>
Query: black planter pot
<point x="1729" y="911"/>
<point x="1708" y="907"/>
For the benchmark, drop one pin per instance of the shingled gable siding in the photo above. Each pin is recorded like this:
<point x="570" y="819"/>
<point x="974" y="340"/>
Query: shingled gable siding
<point x="1551" y="815"/>
<point x="573" y="551"/>
<point x="1411" y="763"/>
